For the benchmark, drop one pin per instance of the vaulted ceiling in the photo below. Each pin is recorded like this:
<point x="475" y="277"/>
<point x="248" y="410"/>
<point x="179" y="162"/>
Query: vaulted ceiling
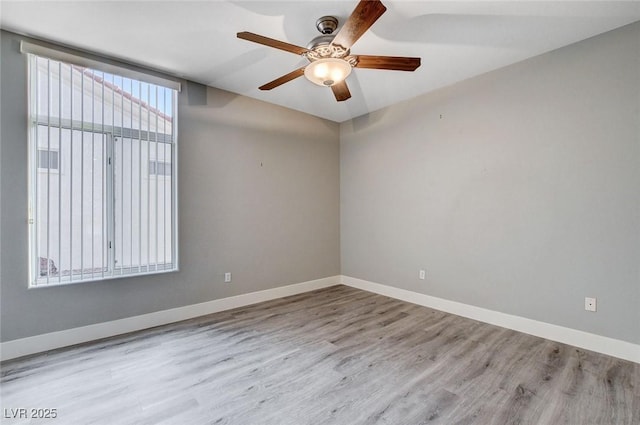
<point x="197" y="40"/>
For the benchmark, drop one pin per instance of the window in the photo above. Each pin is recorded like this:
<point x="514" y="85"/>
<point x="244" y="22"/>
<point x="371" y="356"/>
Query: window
<point x="103" y="212"/>
<point x="48" y="159"/>
<point x="159" y="168"/>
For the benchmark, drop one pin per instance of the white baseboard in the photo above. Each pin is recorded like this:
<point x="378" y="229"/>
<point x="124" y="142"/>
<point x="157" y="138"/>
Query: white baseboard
<point x="40" y="343"/>
<point x="49" y="341"/>
<point x="601" y="344"/>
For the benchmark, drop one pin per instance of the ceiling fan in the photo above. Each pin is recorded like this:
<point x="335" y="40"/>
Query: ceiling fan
<point x="329" y="56"/>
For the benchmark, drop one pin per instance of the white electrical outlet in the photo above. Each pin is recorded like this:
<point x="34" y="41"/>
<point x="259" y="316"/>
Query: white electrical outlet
<point x="227" y="277"/>
<point x="422" y="274"/>
<point x="590" y="304"/>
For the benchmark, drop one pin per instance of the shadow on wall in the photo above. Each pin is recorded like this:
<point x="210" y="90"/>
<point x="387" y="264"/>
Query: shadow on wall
<point x="198" y="95"/>
<point x="365" y="121"/>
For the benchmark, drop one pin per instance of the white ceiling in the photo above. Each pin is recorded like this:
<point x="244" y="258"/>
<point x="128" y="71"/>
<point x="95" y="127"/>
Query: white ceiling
<point x="197" y="40"/>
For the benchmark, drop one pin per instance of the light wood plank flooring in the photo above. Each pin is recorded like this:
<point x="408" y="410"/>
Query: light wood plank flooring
<point x="333" y="356"/>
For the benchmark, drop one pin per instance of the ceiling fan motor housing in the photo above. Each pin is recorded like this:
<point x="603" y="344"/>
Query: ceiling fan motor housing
<point x="321" y="40"/>
<point x="321" y="48"/>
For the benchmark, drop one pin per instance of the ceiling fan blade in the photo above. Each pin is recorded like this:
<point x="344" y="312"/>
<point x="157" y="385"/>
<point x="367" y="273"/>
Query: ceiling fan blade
<point x="394" y="63"/>
<point x="284" y="79"/>
<point x="341" y="91"/>
<point x="363" y="16"/>
<point x="292" y="48"/>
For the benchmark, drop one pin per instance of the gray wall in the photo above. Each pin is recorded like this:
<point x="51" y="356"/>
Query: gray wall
<point x="259" y="197"/>
<point x="518" y="191"/>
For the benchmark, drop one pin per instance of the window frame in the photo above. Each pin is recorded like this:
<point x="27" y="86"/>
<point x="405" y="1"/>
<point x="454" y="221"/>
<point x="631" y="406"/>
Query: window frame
<point x="35" y="279"/>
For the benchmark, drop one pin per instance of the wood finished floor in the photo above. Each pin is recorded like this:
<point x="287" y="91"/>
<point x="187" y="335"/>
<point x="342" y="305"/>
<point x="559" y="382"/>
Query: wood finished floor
<point x="333" y="356"/>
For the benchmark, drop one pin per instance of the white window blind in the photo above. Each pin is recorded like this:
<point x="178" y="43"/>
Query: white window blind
<point x="97" y="210"/>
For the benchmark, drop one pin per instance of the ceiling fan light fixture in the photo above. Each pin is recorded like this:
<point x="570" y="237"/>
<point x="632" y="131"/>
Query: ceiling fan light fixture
<point x="328" y="71"/>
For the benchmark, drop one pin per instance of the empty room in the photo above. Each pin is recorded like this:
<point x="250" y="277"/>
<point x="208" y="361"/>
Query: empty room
<point x="320" y="212"/>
